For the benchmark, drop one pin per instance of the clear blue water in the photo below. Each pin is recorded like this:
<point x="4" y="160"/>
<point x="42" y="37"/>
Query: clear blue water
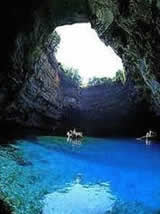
<point x="131" y="167"/>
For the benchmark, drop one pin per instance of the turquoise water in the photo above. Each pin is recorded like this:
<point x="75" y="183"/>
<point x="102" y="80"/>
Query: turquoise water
<point x="114" y="175"/>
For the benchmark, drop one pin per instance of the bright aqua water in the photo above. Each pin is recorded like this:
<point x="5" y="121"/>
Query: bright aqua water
<point x="131" y="167"/>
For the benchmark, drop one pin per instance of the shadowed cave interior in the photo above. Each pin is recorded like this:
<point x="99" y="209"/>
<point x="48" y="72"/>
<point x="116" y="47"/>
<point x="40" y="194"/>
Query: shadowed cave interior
<point x="35" y="95"/>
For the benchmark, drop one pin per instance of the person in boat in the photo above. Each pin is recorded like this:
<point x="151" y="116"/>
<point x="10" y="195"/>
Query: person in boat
<point x="74" y="135"/>
<point x="69" y="135"/>
<point x="150" y="134"/>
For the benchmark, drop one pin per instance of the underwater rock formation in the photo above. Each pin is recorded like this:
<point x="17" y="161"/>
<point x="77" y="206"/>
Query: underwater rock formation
<point x="30" y="91"/>
<point x="4" y="208"/>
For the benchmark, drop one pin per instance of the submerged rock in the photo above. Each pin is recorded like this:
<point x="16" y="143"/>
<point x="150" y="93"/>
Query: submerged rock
<point x="121" y="207"/>
<point x="4" y="208"/>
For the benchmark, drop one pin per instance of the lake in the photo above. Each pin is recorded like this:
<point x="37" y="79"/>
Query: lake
<point x="49" y="175"/>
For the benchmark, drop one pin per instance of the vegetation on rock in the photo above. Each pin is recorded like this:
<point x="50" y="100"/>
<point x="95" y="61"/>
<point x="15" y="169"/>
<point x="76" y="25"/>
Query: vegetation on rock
<point x="95" y="81"/>
<point x="72" y="75"/>
<point x="119" y="77"/>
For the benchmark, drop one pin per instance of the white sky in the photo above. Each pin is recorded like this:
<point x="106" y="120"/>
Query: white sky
<point x="81" y="48"/>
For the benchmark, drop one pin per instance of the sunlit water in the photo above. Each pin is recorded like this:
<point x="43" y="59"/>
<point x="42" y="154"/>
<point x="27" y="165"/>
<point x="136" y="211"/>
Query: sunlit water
<point x="91" y="176"/>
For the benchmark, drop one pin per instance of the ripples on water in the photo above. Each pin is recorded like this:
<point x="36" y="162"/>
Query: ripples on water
<point x="92" y="176"/>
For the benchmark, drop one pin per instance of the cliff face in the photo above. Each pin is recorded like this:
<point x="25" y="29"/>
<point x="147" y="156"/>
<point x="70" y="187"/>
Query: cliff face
<point x="107" y="110"/>
<point x="31" y="93"/>
<point x="114" y="111"/>
<point x="38" y="103"/>
<point x="132" y="29"/>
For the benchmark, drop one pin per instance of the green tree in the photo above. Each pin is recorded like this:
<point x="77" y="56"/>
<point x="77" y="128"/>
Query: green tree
<point x="95" y="81"/>
<point x="72" y="74"/>
<point x="120" y="76"/>
<point x="53" y="41"/>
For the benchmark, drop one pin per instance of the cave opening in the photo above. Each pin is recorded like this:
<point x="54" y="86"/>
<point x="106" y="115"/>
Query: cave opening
<point x="80" y="48"/>
<point x="102" y="104"/>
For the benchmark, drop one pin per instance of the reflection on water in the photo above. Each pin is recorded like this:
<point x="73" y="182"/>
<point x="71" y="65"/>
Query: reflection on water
<point x="78" y="198"/>
<point x="148" y="142"/>
<point x="75" y="143"/>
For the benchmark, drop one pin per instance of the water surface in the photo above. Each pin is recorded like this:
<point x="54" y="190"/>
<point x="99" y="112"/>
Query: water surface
<point x="56" y="176"/>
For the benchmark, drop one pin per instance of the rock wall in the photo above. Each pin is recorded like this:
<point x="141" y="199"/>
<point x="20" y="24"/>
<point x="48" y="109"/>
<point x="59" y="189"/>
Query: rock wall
<point x="132" y="29"/>
<point x="38" y="98"/>
<point x="108" y="110"/>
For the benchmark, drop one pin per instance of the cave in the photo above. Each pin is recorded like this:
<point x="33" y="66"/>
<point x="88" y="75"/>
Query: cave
<point x="29" y="64"/>
<point x="103" y="109"/>
<point x="37" y="100"/>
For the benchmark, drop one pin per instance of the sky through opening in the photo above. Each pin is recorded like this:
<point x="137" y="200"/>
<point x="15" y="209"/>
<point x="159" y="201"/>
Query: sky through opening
<point x="81" y="48"/>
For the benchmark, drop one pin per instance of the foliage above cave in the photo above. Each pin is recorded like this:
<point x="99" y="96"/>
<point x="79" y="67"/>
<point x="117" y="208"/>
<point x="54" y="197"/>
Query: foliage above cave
<point x="50" y="45"/>
<point x="71" y="75"/>
<point x="119" y="77"/>
<point x="52" y="42"/>
<point x="55" y="40"/>
<point x="95" y="81"/>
